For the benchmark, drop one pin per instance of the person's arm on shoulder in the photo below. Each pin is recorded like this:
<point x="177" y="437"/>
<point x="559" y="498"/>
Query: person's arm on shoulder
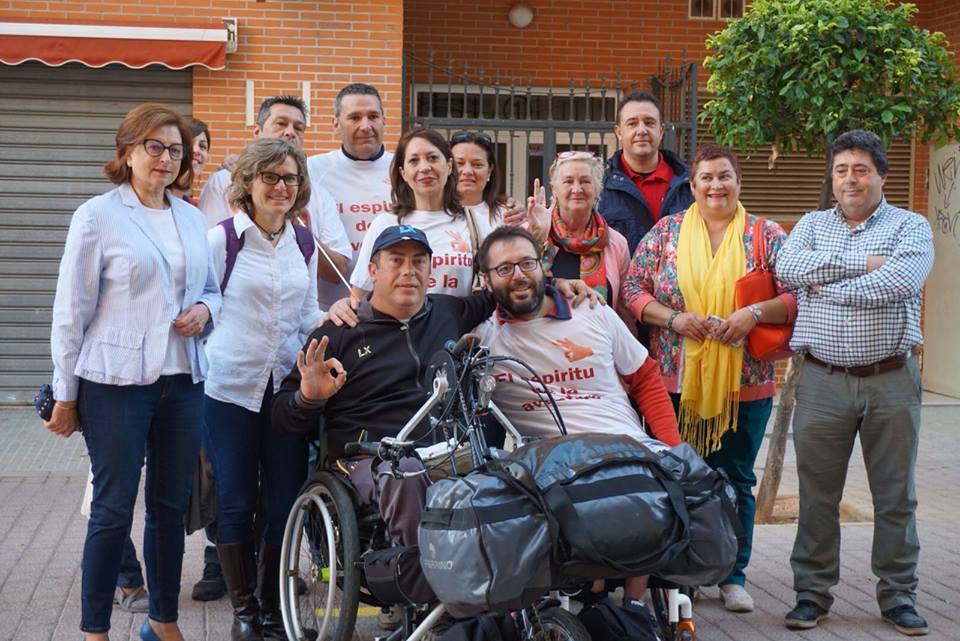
<point x="475" y="309"/>
<point x="800" y="264"/>
<point x="900" y="277"/>
<point x="304" y="392"/>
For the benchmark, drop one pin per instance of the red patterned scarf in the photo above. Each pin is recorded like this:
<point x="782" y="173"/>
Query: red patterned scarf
<point x="589" y="246"/>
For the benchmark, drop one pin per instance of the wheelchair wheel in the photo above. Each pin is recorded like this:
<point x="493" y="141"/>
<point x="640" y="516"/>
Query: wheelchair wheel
<point x="557" y="624"/>
<point x="321" y="546"/>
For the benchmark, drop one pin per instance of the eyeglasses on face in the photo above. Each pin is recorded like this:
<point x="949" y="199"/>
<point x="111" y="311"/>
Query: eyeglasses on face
<point x="578" y="155"/>
<point x="290" y="180"/>
<point x="505" y="270"/>
<point x="470" y="136"/>
<point x="156" y="148"/>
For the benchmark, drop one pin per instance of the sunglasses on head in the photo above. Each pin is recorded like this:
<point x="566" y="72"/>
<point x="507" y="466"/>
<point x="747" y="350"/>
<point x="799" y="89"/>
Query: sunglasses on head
<point x="470" y="136"/>
<point x="579" y="155"/>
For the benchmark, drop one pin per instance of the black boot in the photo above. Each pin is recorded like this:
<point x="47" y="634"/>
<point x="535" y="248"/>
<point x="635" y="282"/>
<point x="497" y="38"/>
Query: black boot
<point x="240" y="573"/>
<point x="268" y="568"/>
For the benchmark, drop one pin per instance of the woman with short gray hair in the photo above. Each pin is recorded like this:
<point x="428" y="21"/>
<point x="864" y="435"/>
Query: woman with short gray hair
<point x="267" y="267"/>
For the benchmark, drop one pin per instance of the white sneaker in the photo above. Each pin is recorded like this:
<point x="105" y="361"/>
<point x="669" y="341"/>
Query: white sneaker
<point x="390" y="617"/>
<point x="736" y="598"/>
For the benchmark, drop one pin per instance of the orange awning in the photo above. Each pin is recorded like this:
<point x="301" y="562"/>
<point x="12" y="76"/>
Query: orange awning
<point x="101" y="44"/>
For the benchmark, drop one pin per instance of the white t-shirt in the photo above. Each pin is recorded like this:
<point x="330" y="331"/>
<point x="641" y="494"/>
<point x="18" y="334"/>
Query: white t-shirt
<point x="269" y="309"/>
<point x="176" y="360"/>
<point x="360" y="190"/>
<point x="324" y="221"/>
<point x="452" y="261"/>
<point x="580" y="360"/>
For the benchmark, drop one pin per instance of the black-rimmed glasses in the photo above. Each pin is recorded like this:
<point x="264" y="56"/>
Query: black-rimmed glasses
<point x="290" y="180"/>
<point x="156" y="148"/>
<point x="505" y="270"/>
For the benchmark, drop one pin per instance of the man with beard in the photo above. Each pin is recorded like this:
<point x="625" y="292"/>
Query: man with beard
<point x="586" y="357"/>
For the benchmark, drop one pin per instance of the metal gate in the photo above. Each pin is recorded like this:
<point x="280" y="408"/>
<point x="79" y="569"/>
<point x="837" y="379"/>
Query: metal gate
<point x="531" y="124"/>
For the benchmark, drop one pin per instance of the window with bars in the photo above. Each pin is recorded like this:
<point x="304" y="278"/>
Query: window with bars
<point x="716" y="9"/>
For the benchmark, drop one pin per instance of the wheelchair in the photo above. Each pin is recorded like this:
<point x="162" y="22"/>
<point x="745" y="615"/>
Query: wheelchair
<point x="327" y="534"/>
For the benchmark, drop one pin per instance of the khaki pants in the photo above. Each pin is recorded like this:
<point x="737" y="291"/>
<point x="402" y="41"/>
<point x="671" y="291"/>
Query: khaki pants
<point x="833" y="408"/>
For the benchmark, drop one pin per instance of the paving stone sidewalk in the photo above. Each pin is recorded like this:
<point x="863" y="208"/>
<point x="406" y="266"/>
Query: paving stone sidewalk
<point x="42" y="479"/>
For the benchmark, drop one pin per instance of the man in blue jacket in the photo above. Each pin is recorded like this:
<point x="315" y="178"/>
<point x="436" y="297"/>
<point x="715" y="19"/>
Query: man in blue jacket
<point x="643" y="183"/>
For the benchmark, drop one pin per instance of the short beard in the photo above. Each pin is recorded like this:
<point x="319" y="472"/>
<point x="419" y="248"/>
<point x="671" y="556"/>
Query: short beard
<point x="503" y="299"/>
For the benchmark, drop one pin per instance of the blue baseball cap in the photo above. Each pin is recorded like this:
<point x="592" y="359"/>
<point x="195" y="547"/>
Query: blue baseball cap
<point x="397" y="234"/>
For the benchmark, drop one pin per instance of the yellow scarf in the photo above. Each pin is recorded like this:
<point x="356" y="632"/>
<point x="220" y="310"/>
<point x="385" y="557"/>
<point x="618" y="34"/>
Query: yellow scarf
<point x="710" y="387"/>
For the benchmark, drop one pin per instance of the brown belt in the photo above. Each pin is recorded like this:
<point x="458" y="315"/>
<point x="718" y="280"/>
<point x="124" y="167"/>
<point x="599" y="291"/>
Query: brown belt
<point x="886" y="365"/>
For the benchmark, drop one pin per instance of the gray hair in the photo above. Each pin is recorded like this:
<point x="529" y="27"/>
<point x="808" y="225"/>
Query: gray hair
<point x="356" y="89"/>
<point x="594" y="163"/>
<point x="259" y="156"/>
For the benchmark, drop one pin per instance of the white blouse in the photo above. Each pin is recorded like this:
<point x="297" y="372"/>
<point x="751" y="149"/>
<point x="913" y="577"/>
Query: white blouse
<point x="269" y="309"/>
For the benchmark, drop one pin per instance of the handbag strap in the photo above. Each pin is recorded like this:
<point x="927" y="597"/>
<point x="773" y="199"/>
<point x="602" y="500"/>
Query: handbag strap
<point x="474" y="232"/>
<point x="759" y="246"/>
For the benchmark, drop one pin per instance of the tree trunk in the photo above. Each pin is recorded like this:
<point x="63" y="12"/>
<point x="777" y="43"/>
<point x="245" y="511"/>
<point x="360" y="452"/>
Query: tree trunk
<point x="773" y="468"/>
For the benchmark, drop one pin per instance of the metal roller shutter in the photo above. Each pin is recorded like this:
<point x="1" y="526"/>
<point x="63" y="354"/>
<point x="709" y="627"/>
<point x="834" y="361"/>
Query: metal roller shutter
<point x="57" y="127"/>
<point x="793" y="188"/>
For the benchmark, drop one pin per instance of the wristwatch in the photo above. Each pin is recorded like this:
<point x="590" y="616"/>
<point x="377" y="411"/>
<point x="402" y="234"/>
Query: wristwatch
<point x="755" y="310"/>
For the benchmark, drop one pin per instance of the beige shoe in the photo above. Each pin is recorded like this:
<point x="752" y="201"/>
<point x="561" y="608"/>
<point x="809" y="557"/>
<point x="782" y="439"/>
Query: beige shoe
<point x="736" y="598"/>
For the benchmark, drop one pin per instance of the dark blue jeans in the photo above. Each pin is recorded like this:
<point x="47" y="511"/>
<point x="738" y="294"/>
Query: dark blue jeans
<point x="122" y="426"/>
<point x="130" y="576"/>
<point x="251" y="461"/>
<point x="736" y="456"/>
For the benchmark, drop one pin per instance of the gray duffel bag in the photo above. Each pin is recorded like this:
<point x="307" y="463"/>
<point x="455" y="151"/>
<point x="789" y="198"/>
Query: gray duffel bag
<point x="715" y="530"/>
<point x="484" y="541"/>
<point x="618" y="512"/>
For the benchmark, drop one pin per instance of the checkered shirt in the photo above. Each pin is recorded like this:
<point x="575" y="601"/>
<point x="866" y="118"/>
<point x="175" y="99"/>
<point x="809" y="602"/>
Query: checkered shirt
<point x="857" y="318"/>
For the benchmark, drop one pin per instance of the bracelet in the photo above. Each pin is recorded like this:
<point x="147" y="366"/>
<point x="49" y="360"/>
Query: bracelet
<point x="754" y="309"/>
<point x="673" y="315"/>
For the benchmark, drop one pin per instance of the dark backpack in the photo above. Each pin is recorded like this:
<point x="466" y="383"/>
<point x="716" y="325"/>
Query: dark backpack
<point x="611" y="622"/>
<point x="235" y="244"/>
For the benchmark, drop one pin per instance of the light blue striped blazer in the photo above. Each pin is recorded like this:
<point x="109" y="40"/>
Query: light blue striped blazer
<point x="115" y="294"/>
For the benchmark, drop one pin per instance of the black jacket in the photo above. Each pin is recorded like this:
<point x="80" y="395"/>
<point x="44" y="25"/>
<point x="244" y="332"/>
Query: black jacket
<point x="624" y="207"/>
<point x="385" y="360"/>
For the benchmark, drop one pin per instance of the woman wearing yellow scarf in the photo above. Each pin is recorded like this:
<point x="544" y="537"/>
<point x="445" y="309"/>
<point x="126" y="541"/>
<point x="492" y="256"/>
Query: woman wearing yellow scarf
<point x="681" y="283"/>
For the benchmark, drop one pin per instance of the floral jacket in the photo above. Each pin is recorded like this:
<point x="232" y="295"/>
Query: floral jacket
<point x="653" y="277"/>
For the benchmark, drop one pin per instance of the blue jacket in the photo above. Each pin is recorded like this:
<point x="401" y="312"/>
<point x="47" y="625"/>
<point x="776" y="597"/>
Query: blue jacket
<point x="624" y="207"/>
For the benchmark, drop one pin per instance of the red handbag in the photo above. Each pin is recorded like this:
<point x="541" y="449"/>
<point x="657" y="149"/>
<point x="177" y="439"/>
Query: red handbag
<point x="766" y="341"/>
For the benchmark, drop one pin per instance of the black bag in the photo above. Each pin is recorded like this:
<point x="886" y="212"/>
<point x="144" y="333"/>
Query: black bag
<point x="716" y="533"/>
<point x="486" y="627"/>
<point x="394" y="576"/>
<point x="611" y="622"/>
<point x="485" y="542"/>
<point x="618" y="511"/>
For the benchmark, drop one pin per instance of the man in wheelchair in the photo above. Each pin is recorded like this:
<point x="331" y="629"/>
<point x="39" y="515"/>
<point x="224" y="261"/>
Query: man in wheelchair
<point x="366" y="381"/>
<point x="588" y="358"/>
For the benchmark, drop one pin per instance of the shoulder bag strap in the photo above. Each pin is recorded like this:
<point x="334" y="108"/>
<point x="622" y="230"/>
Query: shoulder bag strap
<point x="474" y="232"/>
<point x="759" y="247"/>
<point x="233" y="246"/>
<point x="305" y="242"/>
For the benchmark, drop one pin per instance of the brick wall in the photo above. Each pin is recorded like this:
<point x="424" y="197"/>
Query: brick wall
<point x="568" y="38"/>
<point x="281" y="45"/>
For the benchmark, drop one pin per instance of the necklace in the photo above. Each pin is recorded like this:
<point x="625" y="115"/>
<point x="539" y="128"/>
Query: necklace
<point x="271" y="235"/>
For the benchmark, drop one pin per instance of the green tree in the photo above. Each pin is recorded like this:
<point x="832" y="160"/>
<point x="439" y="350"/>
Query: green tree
<point x="797" y="73"/>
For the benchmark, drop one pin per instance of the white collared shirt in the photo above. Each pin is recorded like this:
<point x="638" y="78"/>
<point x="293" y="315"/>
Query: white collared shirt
<point x="269" y="309"/>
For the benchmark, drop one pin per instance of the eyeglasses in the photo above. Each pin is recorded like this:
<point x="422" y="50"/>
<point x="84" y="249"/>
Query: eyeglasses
<point x="470" y="136"/>
<point x="505" y="270"/>
<point x="290" y="180"/>
<point x="156" y="148"/>
<point x="579" y="155"/>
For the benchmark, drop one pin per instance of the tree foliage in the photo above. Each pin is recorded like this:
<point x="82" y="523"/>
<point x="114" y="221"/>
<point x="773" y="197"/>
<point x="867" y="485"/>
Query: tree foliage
<point x="796" y="73"/>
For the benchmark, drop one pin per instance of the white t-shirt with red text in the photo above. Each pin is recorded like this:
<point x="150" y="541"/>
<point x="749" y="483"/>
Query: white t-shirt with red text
<point x="580" y="359"/>
<point x="361" y="190"/>
<point x="452" y="261"/>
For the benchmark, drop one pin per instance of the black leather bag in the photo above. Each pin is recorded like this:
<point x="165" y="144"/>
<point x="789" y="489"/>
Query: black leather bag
<point x="611" y="622"/>
<point x="486" y="627"/>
